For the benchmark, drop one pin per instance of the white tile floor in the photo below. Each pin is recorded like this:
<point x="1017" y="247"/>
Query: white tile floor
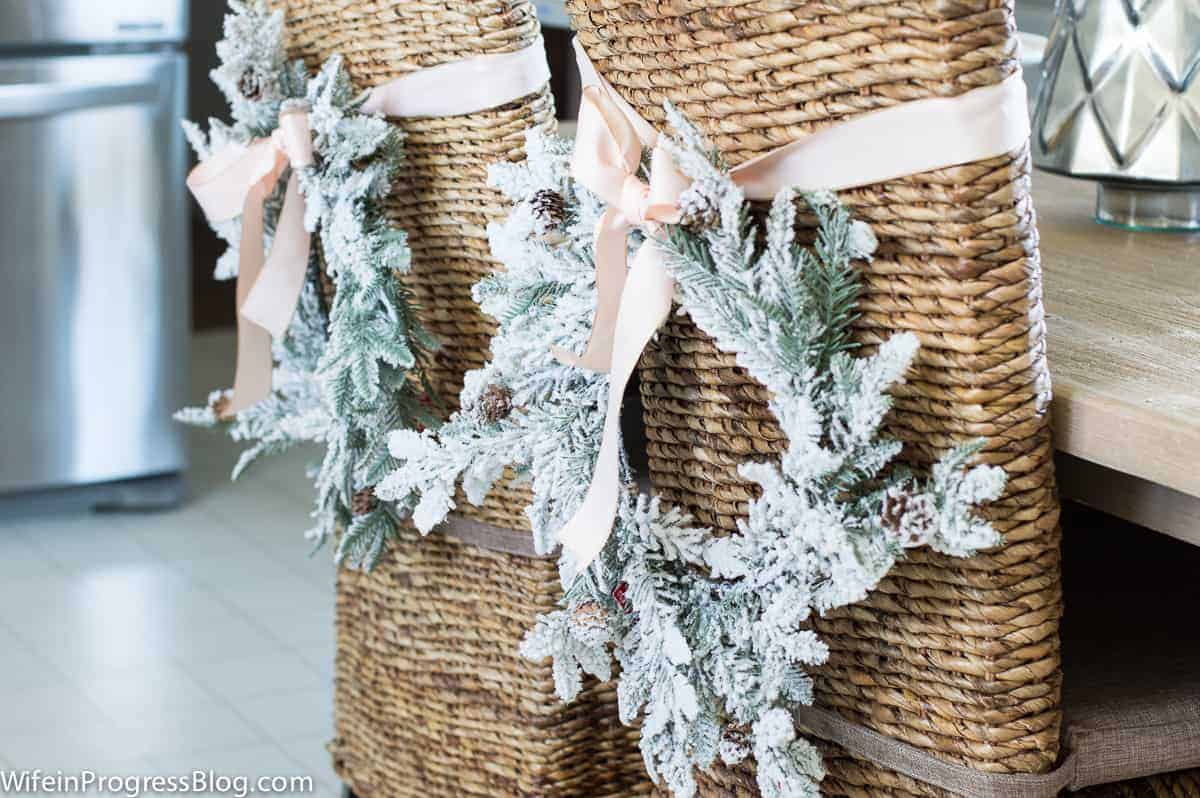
<point x="162" y="643"/>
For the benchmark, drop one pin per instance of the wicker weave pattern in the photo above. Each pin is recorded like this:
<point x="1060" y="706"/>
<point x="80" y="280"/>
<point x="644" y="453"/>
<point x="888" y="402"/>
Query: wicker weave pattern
<point x="959" y="658"/>
<point x="433" y="699"/>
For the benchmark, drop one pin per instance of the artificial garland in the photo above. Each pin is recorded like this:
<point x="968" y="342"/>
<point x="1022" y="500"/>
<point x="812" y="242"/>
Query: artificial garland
<point x="710" y="630"/>
<point x="523" y="410"/>
<point x="349" y="369"/>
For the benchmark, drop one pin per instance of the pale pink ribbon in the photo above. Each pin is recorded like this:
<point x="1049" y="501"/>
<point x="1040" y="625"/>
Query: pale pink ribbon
<point x="463" y="87"/>
<point x="237" y="182"/>
<point x="877" y="146"/>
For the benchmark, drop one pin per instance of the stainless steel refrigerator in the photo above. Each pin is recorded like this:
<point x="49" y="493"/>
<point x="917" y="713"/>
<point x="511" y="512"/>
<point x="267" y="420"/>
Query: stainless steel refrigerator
<point x="94" y="246"/>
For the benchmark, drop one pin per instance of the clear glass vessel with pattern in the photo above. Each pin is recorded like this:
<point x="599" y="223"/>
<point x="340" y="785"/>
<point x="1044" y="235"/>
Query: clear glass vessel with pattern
<point x="1120" y="103"/>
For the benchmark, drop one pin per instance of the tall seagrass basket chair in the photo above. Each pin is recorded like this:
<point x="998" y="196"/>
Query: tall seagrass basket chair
<point x="432" y="699"/>
<point x="959" y="658"/>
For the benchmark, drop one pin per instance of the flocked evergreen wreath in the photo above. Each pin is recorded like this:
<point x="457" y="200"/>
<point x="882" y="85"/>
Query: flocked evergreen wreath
<point x="711" y="631"/>
<point x="348" y="370"/>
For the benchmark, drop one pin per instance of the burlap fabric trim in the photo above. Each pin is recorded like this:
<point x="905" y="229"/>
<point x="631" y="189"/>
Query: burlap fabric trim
<point x="492" y="538"/>
<point x="1097" y="756"/>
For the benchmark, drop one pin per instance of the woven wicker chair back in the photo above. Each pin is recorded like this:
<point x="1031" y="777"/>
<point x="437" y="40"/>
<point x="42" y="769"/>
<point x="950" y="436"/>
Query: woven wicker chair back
<point x="432" y="699"/>
<point x="960" y="658"/>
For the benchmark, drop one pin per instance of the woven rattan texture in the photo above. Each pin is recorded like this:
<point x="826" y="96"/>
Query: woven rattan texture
<point x="1184" y="784"/>
<point x="433" y="700"/>
<point x="957" y="657"/>
<point x="441" y="197"/>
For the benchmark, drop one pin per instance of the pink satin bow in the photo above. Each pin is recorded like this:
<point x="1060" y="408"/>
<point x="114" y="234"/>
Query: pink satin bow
<point x="607" y="157"/>
<point x="237" y="181"/>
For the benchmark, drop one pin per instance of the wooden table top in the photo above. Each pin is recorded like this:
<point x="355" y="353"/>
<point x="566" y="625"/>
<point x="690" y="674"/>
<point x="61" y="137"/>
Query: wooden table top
<point x="1123" y="327"/>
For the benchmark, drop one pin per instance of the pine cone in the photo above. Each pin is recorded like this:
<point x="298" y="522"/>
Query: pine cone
<point x="495" y="404"/>
<point x="735" y="744"/>
<point x="249" y="86"/>
<point x="549" y="211"/>
<point x="894" y="507"/>
<point x="911" y="521"/>
<point x="328" y="287"/>
<point x="220" y="406"/>
<point x="363" y="502"/>
<point x="697" y="210"/>
<point x="589" y="615"/>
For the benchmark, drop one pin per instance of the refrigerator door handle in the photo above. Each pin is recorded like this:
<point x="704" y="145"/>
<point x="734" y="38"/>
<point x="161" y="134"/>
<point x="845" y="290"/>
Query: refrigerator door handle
<point x="27" y="100"/>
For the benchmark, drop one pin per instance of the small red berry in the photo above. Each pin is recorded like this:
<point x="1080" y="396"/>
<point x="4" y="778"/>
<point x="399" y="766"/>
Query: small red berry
<point x="618" y="595"/>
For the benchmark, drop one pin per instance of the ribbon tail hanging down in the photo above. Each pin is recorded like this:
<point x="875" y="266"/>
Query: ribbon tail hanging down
<point x="272" y="300"/>
<point x="644" y="306"/>
<point x="612" y="238"/>
<point x="252" y="378"/>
